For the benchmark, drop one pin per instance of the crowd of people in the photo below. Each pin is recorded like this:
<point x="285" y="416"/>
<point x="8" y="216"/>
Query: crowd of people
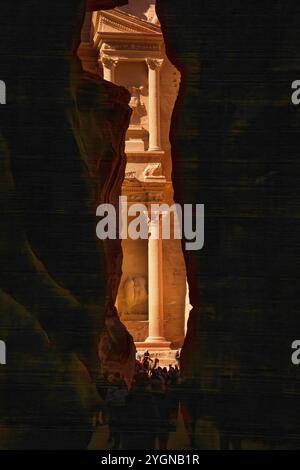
<point x="143" y="416"/>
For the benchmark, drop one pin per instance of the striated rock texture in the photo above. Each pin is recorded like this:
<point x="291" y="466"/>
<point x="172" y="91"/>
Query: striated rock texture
<point x="235" y="148"/>
<point x="101" y="119"/>
<point x="54" y="295"/>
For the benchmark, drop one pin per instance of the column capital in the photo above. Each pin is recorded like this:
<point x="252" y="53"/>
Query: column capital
<point x="108" y="61"/>
<point x="154" y="64"/>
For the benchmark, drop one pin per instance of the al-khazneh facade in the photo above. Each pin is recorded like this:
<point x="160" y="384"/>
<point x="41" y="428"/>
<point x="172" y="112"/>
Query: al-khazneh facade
<point x="126" y="47"/>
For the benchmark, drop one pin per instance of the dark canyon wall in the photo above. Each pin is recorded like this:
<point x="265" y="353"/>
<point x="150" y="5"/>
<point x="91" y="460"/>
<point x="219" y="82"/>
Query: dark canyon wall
<point x="54" y="291"/>
<point x="235" y="142"/>
<point x="235" y="149"/>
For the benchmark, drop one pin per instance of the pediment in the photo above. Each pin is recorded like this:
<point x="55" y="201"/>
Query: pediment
<point x="117" y="21"/>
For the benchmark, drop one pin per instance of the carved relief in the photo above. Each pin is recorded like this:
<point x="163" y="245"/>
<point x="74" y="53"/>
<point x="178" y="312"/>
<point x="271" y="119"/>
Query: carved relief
<point x="153" y="169"/>
<point x="130" y="175"/>
<point x="137" y="105"/>
<point x="134" y="296"/>
<point x="151" y="14"/>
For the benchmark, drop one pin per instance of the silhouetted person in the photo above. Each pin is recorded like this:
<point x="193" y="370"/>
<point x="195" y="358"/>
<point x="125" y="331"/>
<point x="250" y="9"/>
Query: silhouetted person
<point x="177" y="357"/>
<point x="173" y="397"/>
<point x="116" y="402"/>
<point x="188" y="409"/>
<point x="142" y="418"/>
<point x="158" y="387"/>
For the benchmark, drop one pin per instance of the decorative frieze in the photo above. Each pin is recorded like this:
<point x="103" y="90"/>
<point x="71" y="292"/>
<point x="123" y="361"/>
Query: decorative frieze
<point x="134" y="46"/>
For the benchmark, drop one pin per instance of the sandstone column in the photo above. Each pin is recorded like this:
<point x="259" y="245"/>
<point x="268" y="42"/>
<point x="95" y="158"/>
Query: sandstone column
<point x="154" y="110"/>
<point x="155" y="284"/>
<point x="109" y="65"/>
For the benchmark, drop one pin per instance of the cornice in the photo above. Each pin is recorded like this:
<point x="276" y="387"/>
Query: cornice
<point x="124" y="22"/>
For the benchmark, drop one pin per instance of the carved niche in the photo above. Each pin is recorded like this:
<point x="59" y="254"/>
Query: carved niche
<point x="133" y="298"/>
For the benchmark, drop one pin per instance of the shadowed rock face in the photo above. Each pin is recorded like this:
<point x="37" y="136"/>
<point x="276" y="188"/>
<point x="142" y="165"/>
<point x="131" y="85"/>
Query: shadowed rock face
<point x="235" y="149"/>
<point x="94" y="5"/>
<point x="231" y="127"/>
<point x="54" y="294"/>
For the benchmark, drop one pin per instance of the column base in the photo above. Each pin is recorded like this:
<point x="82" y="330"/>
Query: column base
<point x="153" y="343"/>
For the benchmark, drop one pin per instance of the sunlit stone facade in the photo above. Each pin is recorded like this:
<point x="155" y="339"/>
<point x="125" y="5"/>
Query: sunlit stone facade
<point x="126" y="47"/>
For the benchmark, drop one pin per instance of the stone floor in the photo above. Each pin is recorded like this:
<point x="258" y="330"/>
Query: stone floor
<point x="177" y="441"/>
<point x="165" y="356"/>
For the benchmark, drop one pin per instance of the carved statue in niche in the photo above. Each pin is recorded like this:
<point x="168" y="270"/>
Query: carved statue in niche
<point x="136" y="104"/>
<point x="134" y="296"/>
<point x="129" y="291"/>
<point x="151" y="14"/>
<point x="140" y="290"/>
<point x="144" y="9"/>
<point x="152" y="170"/>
